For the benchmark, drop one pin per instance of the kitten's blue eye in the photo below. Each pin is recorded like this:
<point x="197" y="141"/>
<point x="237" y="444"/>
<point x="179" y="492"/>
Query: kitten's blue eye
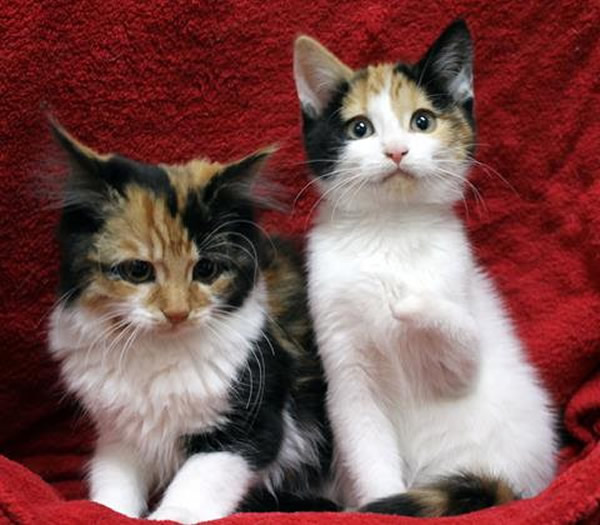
<point x="423" y="121"/>
<point x="359" y="128"/>
<point x="134" y="270"/>
<point x="206" y="270"/>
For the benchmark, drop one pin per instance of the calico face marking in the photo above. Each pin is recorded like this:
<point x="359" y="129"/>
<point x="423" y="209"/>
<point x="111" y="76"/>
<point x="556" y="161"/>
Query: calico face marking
<point x="161" y="246"/>
<point x="389" y="132"/>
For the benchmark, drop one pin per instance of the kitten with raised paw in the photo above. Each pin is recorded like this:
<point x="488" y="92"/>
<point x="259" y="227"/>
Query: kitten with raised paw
<point x="184" y="332"/>
<point x="434" y="406"/>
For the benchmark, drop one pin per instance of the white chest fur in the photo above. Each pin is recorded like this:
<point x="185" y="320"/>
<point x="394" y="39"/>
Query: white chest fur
<point x="160" y="388"/>
<point x="360" y="266"/>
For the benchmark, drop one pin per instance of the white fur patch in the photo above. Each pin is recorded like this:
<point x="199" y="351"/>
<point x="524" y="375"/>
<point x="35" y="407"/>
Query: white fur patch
<point x="207" y="487"/>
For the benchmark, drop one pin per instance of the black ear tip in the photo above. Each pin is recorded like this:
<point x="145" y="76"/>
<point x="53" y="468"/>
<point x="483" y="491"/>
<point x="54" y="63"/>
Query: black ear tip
<point x="458" y="29"/>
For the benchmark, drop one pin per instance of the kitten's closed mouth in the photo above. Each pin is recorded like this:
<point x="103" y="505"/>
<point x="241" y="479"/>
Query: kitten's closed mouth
<point x="394" y="174"/>
<point x="170" y="329"/>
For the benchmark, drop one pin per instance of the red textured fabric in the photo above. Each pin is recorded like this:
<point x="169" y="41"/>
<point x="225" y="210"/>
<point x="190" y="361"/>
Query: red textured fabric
<point x="168" y="80"/>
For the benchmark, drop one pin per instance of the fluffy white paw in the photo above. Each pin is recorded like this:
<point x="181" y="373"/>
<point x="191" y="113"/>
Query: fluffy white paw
<point x="177" y="514"/>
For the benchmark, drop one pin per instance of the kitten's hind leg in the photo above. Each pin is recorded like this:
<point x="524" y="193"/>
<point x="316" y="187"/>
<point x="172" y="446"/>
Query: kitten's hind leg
<point x="208" y="486"/>
<point x="118" y="480"/>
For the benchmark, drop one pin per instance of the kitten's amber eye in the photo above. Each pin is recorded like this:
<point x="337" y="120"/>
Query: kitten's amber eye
<point x="423" y="121"/>
<point x="134" y="270"/>
<point x="206" y="270"/>
<point x="359" y="128"/>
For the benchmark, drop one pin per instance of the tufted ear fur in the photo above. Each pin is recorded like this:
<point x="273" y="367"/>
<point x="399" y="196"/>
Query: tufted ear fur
<point x="78" y="153"/>
<point x="239" y="176"/>
<point x="318" y="73"/>
<point x="87" y="184"/>
<point x="448" y="64"/>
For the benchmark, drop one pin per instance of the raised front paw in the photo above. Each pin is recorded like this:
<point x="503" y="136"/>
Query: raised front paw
<point x="411" y="308"/>
<point x="177" y="514"/>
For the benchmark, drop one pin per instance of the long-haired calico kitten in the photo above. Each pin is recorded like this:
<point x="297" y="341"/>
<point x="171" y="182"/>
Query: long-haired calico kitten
<point x="184" y="333"/>
<point x="434" y="407"/>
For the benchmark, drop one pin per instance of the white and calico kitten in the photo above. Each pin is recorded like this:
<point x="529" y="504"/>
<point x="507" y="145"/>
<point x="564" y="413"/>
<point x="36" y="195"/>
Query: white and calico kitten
<point x="428" y="384"/>
<point x="186" y="337"/>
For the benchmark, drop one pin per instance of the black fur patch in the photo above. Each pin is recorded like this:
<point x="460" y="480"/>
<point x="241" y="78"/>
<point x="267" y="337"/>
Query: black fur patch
<point x="75" y="235"/>
<point x="258" y="397"/>
<point x="324" y="135"/>
<point x="401" y="505"/>
<point x="119" y="172"/>
<point x="469" y="493"/>
<point x="261" y="500"/>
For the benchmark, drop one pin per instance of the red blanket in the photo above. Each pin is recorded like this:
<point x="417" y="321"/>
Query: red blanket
<point x="167" y="80"/>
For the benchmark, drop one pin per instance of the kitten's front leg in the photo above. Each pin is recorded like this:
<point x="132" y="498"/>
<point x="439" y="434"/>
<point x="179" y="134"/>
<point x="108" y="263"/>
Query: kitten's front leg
<point x="118" y="480"/>
<point x="451" y="337"/>
<point x="208" y="486"/>
<point x="365" y="439"/>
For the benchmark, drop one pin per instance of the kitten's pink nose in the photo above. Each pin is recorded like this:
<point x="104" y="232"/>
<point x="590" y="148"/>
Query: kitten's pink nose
<point x="176" y="316"/>
<point x="396" y="154"/>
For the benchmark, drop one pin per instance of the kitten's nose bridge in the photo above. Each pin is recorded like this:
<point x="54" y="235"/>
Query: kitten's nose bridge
<point x="175" y="303"/>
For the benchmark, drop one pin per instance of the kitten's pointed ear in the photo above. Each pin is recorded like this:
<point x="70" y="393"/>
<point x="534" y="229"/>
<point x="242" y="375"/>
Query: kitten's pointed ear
<point x="448" y="64"/>
<point x="318" y="73"/>
<point x="239" y="176"/>
<point x="247" y="169"/>
<point x="80" y="156"/>
<point x="86" y="185"/>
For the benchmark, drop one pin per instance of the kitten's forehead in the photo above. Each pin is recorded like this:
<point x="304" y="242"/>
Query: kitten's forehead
<point x="383" y="80"/>
<point x="144" y="227"/>
<point x="149" y="225"/>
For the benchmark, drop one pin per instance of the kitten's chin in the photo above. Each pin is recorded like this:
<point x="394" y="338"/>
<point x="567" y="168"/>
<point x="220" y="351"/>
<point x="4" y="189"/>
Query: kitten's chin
<point x="169" y="330"/>
<point x="393" y="194"/>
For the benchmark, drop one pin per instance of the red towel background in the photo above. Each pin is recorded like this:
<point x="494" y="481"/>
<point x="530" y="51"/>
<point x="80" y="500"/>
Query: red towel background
<point x="169" y="80"/>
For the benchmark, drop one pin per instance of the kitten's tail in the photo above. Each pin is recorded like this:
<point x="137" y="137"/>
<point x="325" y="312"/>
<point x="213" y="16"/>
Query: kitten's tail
<point x="456" y="494"/>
